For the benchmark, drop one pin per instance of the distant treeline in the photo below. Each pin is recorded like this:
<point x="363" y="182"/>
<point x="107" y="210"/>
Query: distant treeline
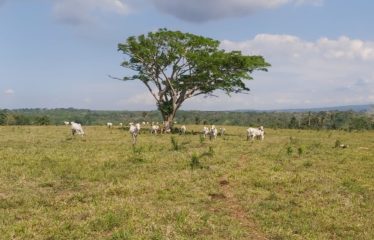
<point x="344" y="120"/>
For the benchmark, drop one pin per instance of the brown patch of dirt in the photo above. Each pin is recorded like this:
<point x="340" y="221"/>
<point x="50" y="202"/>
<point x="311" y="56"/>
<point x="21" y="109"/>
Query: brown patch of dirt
<point x="235" y="208"/>
<point x="237" y="212"/>
<point x="217" y="196"/>
<point x="223" y="182"/>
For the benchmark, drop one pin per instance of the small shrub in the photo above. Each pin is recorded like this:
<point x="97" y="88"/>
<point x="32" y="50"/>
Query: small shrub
<point x="300" y="151"/>
<point x="202" y="138"/>
<point x="337" y="143"/>
<point x="195" y="162"/>
<point x="176" y="146"/>
<point x="289" y="150"/>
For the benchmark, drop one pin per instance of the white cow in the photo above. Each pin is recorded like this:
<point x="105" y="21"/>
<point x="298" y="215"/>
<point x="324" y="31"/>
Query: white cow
<point x="213" y="132"/>
<point x="205" y="131"/>
<point x="222" y="131"/>
<point x="258" y="133"/>
<point x="66" y="123"/>
<point x="76" y="128"/>
<point x="183" y="129"/>
<point x="109" y="124"/>
<point x="134" y="131"/>
<point x="155" y="129"/>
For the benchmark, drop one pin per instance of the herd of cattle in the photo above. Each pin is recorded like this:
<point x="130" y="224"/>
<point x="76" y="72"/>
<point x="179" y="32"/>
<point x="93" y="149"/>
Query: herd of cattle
<point x="155" y="128"/>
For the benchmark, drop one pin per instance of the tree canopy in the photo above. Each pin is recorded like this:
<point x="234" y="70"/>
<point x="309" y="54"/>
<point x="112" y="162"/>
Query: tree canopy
<point x="175" y="66"/>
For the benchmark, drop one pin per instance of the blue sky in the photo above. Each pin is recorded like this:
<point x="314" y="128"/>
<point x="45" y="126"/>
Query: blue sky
<point x="59" y="53"/>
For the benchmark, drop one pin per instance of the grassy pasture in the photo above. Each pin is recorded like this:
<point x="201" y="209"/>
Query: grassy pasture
<point x="293" y="185"/>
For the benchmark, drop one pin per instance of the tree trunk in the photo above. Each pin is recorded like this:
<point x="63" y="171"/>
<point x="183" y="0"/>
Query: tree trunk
<point x="169" y="119"/>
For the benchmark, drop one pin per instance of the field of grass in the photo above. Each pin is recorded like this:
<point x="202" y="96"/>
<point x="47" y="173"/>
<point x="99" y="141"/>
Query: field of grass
<point x="293" y="185"/>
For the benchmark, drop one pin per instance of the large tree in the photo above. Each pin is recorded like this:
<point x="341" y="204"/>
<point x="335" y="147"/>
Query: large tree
<point x="175" y="66"/>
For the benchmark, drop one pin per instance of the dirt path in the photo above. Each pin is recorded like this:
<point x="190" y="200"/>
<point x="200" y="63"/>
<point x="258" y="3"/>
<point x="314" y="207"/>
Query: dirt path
<point x="236" y="210"/>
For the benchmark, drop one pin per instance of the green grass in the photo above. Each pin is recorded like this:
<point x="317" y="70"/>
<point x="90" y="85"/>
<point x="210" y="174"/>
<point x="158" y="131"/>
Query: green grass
<point x="293" y="185"/>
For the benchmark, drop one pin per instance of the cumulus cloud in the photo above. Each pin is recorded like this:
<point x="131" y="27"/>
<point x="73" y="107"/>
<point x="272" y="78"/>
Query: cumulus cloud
<point x="141" y="98"/>
<point x="9" y="92"/>
<point x="201" y="11"/>
<point x="83" y="11"/>
<point x="316" y="73"/>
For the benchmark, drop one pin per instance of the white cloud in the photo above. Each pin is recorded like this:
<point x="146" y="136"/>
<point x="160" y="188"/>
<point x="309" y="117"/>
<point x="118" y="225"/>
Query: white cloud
<point x="87" y="100"/>
<point x="293" y="47"/>
<point x="138" y="101"/>
<point x="83" y="11"/>
<point x="200" y="11"/>
<point x="9" y="92"/>
<point x="315" y="73"/>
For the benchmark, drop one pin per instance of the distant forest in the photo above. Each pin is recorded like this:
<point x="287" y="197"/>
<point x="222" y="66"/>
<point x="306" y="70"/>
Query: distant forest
<point x="343" y="120"/>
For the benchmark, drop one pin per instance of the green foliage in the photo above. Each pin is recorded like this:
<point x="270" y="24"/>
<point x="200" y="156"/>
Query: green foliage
<point x="195" y="161"/>
<point x="176" y="66"/>
<point x="42" y="120"/>
<point x="332" y="120"/>
<point x="300" y="151"/>
<point x="2" y="117"/>
<point x="174" y="142"/>
<point x="289" y="150"/>
<point x="293" y="123"/>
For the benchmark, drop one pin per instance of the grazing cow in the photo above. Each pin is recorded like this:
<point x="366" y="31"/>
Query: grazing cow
<point x="109" y="124"/>
<point x="213" y="132"/>
<point x="66" y="123"/>
<point x="155" y="129"/>
<point x="76" y="128"/>
<point x="134" y="131"/>
<point x="222" y="131"/>
<point x="120" y="124"/>
<point x="183" y="129"/>
<point x="205" y="131"/>
<point x="253" y="133"/>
